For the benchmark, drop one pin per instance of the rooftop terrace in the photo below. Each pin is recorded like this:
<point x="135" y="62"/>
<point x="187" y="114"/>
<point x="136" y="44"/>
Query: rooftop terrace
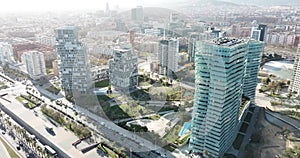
<point x="226" y="41"/>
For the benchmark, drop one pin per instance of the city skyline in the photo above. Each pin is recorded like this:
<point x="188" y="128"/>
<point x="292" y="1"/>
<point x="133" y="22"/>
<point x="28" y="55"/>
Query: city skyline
<point x="150" y="79"/>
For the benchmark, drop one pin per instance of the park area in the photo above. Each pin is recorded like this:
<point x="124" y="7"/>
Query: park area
<point x="266" y="141"/>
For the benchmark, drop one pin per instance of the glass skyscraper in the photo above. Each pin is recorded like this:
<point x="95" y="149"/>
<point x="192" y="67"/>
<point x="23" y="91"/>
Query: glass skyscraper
<point x="221" y="68"/>
<point x="254" y="54"/>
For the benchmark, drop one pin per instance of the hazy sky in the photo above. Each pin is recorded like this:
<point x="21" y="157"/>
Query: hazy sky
<point x="48" y="5"/>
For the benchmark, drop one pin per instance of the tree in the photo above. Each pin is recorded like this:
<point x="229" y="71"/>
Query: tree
<point x="266" y="81"/>
<point x="289" y="95"/>
<point x="292" y="152"/>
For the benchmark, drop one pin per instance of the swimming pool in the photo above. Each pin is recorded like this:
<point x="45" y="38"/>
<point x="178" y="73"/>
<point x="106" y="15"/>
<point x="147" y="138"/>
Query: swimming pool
<point x="185" y="128"/>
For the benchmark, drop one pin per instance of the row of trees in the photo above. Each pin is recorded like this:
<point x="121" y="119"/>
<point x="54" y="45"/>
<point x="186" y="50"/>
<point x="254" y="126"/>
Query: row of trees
<point x="274" y="86"/>
<point x="24" y="137"/>
<point x="77" y="128"/>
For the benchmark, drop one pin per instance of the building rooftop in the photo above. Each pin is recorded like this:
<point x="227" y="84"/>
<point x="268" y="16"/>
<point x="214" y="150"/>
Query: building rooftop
<point x="226" y="41"/>
<point x="67" y="28"/>
<point x="122" y="50"/>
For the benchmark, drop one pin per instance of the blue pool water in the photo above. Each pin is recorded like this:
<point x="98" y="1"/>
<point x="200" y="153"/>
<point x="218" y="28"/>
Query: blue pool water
<point x="186" y="127"/>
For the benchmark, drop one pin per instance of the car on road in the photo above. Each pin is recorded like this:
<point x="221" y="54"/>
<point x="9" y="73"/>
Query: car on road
<point x="50" y="130"/>
<point x="3" y="132"/>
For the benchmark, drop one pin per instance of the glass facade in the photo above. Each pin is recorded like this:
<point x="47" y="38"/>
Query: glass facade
<point x="221" y="66"/>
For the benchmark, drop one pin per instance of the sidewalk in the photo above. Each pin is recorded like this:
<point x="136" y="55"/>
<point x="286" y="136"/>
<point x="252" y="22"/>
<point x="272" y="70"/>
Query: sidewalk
<point x="3" y="151"/>
<point x="250" y="130"/>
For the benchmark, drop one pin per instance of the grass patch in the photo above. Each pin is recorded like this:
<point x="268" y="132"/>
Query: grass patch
<point x="275" y="95"/>
<point x="10" y="151"/>
<point x="238" y="141"/>
<point x="173" y="135"/>
<point x="49" y="71"/>
<point x="141" y="95"/>
<point x="153" y="117"/>
<point x="292" y="114"/>
<point x="29" y="105"/>
<point x="183" y="140"/>
<point x="56" y="116"/>
<point x="109" y="152"/>
<point x="101" y="84"/>
<point x="79" y="129"/>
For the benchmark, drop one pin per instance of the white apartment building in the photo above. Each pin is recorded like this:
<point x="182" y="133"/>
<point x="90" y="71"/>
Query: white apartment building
<point x="35" y="64"/>
<point x="168" y="53"/>
<point x="6" y="53"/>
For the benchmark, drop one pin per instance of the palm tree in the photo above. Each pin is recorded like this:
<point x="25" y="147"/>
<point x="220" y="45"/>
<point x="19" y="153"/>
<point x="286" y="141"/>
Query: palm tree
<point x="34" y="144"/>
<point x="39" y="150"/>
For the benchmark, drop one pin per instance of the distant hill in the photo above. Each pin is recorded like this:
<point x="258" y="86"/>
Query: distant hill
<point x="265" y="2"/>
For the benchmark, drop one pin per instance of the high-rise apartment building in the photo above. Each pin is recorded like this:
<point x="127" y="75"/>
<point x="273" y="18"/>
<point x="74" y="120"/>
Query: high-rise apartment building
<point x="123" y="70"/>
<point x="137" y="14"/>
<point x="168" y="52"/>
<point x="254" y="54"/>
<point x="35" y="64"/>
<point x="6" y="53"/>
<point x="192" y="46"/>
<point x="220" y="73"/>
<point x="295" y="83"/>
<point x="73" y="62"/>
<point x="259" y="33"/>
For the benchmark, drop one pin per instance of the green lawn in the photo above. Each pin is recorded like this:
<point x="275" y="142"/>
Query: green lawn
<point x="111" y="153"/>
<point x="102" y="84"/>
<point x="30" y="104"/>
<point x="173" y="135"/>
<point x="108" y="151"/>
<point x="10" y="151"/>
<point x="154" y="117"/>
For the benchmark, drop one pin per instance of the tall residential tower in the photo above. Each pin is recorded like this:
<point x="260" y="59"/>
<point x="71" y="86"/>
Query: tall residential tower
<point x="35" y="64"/>
<point x="168" y="53"/>
<point x="123" y="70"/>
<point x="220" y="74"/>
<point x="73" y="63"/>
<point x="295" y="84"/>
<point x="254" y="54"/>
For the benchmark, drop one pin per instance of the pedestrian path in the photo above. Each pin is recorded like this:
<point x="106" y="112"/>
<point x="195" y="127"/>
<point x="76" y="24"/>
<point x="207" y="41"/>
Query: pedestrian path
<point x="3" y="151"/>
